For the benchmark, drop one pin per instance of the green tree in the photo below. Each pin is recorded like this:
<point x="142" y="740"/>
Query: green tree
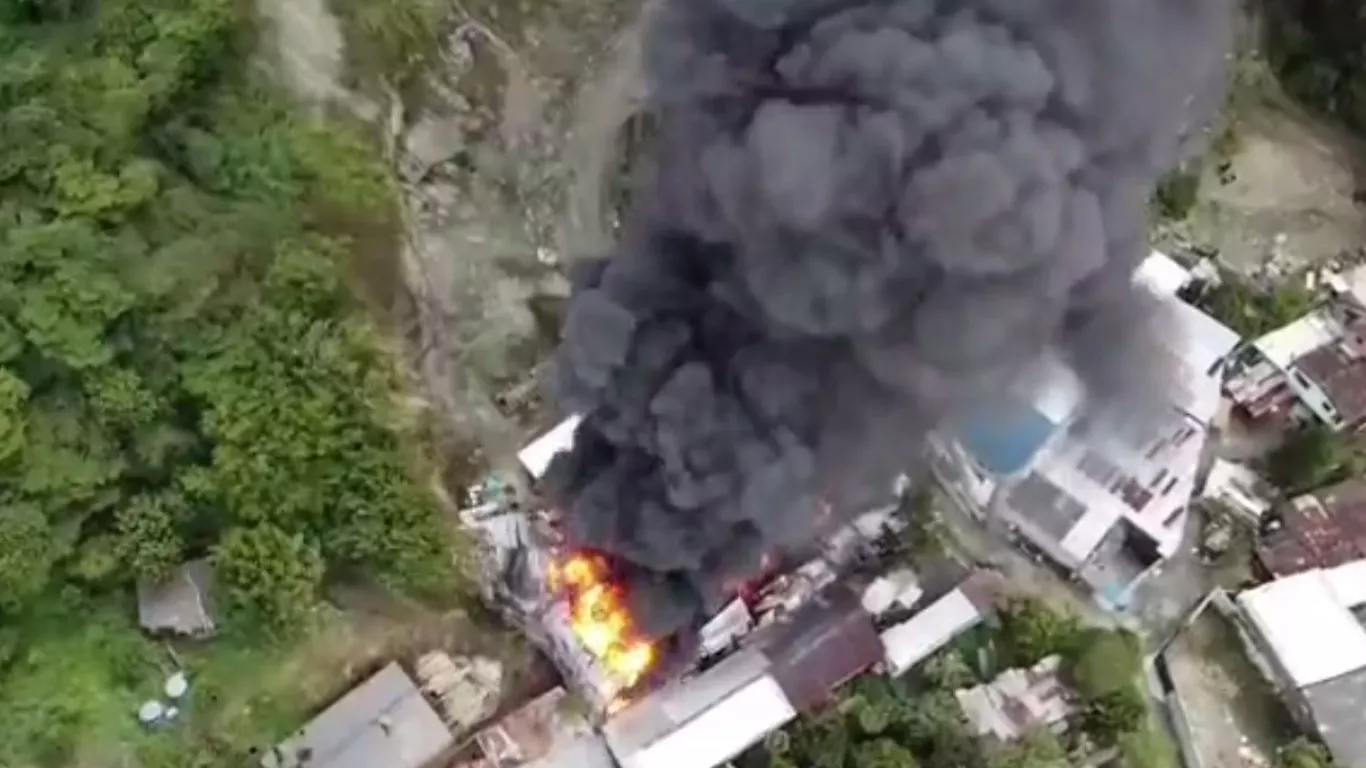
<point x="147" y="537"/>
<point x="934" y="728"/>
<point x="1303" y="753"/>
<point x="182" y="368"/>
<point x="1147" y="748"/>
<point x="13" y="423"/>
<point x="1038" y="749"/>
<point x="1103" y="662"/>
<point x="270" y="576"/>
<point x="947" y="670"/>
<point x="1253" y="311"/>
<point x="882" y="753"/>
<point x="1177" y="194"/>
<point x="1110" y="716"/>
<point x="27" y="553"/>
<point x="1310" y="457"/>
<point x="1032" y="631"/>
<point x="1314" y="46"/>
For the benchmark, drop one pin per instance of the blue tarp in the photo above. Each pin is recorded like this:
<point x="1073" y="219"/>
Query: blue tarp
<point x="1005" y="436"/>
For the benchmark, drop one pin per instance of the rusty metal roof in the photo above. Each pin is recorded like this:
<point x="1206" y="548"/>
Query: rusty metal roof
<point x="821" y="646"/>
<point x="1321" y="530"/>
<point x="1342" y="376"/>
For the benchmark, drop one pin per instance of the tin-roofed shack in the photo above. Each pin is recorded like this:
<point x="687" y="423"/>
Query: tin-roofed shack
<point x="821" y="646"/>
<point x="1323" y="529"/>
<point x="181" y="604"/>
<point x="382" y="723"/>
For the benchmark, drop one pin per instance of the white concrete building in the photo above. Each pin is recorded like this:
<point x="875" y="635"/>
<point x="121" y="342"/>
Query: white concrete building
<point x="1102" y="491"/>
<point x="1313" y="368"/>
<point x="1309" y="628"/>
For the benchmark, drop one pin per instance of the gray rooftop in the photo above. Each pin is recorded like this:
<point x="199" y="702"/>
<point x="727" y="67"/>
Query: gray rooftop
<point x="382" y="723"/>
<point x="667" y="709"/>
<point x="182" y="603"/>
<point x="588" y="751"/>
<point x="1337" y="705"/>
<point x="1051" y="509"/>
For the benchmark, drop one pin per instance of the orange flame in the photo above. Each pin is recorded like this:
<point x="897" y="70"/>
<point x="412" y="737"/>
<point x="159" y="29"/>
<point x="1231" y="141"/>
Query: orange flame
<point x="599" y="617"/>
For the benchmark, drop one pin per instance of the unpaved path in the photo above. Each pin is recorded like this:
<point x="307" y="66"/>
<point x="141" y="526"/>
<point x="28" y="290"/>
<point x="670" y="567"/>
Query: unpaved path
<point x="1291" y="177"/>
<point x="1235" y="718"/>
<point x="500" y="151"/>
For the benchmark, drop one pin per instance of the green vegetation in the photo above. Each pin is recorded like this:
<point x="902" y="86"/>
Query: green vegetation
<point x="395" y="38"/>
<point x="1303" y="753"/>
<point x="916" y="721"/>
<point x="1177" y="194"/>
<point x="1313" y="456"/>
<point x="182" y="369"/>
<point x="1253" y="311"/>
<point x="1314" y="47"/>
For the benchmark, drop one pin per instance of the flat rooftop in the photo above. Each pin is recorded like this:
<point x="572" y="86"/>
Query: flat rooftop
<point x="1309" y="628"/>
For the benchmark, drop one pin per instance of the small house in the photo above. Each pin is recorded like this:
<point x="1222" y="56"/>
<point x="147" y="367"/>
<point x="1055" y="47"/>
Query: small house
<point x="385" y="721"/>
<point x="181" y="604"/>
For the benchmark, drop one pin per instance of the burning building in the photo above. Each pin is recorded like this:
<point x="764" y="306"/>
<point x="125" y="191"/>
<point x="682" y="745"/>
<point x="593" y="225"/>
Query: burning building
<point x="571" y="604"/>
<point x="856" y="222"/>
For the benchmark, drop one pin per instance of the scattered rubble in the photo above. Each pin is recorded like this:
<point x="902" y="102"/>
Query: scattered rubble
<point x="465" y="690"/>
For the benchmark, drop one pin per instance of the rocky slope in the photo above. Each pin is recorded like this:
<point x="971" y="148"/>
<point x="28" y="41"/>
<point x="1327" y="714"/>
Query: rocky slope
<point x="500" y="150"/>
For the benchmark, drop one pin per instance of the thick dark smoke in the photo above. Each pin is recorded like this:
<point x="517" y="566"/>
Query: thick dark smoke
<point x="858" y="220"/>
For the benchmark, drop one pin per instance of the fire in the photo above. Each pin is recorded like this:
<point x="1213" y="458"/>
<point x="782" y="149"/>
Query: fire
<point x="599" y="617"/>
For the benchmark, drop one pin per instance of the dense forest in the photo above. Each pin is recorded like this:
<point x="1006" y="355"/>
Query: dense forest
<point x="1318" y="50"/>
<point x="184" y="370"/>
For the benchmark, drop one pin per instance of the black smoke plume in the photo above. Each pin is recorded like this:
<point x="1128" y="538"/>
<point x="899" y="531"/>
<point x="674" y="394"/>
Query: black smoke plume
<point x="858" y="219"/>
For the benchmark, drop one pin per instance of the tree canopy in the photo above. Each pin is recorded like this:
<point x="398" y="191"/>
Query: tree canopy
<point x="1303" y="753"/>
<point x="1312" y="456"/>
<point x="1315" y="48"/>
<point x="918" y="721"/>
<point x="183" y="370"/>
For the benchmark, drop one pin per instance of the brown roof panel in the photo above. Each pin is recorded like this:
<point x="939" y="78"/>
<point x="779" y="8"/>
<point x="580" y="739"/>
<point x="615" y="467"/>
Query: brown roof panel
<point x="1321" y="530"/>
<point x="1340" y="374"/>
<point x="821" y="646"/>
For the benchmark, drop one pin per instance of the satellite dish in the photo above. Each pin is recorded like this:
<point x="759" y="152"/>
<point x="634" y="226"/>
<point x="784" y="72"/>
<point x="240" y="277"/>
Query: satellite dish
<point x="151" y="712"/>
<point x="176" y="685"/>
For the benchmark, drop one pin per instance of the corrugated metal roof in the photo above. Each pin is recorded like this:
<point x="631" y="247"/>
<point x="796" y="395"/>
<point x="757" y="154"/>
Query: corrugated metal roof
<point x="588" y="751"/>
<point x="667" y="709"/>
<point x="1288" y="343"/>
<point x="1337" y="705"/>
<point x="1314" y="637"/>
<point x="1342" y="376"/>
<point x="820" y="647"/>
<point x="1348" y="583"/>
<point x="913" y="640"/>
<point x="183" y="603"/>
<point x="720" y="733"/>
<point x="1321" y="530"/>
<point x="384" y="721"/>
<point x="537" y="455"/>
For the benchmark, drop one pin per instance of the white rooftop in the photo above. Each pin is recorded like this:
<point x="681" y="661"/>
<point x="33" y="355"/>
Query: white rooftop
<point x="1308" y="623"/>
<point x="1162" y="274"/>
<point x="1288" y="343"/>
<point x="720" y="733"/>
<point x="910" y="642"/>
<point x="536" y="456"/>
<point x="701" y="722"/>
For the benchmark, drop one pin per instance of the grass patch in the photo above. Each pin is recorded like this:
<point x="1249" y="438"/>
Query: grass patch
<point x="73" y="692"/>
<point x="389" y="41"/>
